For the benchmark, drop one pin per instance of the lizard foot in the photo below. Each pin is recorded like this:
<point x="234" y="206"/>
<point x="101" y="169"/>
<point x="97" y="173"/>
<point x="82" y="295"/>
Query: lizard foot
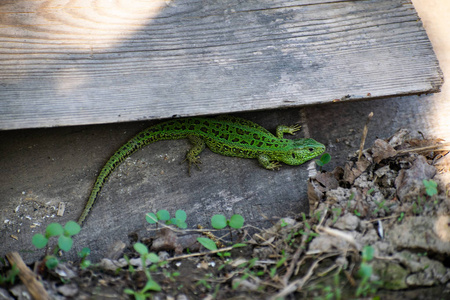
<point x="192" y="160"/>
<point x="273" y="166"/>
<point x="292" y="129"/>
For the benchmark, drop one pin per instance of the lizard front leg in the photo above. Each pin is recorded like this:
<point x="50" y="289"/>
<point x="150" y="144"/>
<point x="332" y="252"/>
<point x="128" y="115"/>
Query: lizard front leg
<point x="264" y="161"/>
<point x="287" y="129"/>
<point x="198" y="145"/>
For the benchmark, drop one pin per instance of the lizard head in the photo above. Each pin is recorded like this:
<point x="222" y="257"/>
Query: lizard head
<point x="301" y="151"/>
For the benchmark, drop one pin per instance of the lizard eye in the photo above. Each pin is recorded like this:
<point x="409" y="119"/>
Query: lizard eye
<point x="311" y="149"/>
<point x="293" y="155"/>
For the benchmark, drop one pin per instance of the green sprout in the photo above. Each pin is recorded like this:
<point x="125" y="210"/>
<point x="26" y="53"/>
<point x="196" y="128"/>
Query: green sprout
<point x="11" y="275"/>
<point x="85" y="263"/>
<point x="365" y="272"/>
<point x="324" y="159"/>
<point x="164" y="215"/>
<point x="65" y="241"/>
<point x="220" y="221"/>
<point x="151" y="285"/>
<point x="430" y="187"/>
<point x="65" y="234"/>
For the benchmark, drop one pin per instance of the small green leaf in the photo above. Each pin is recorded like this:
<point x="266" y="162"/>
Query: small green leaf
<point x="252" y="262"/>
<point x="54" y="229"/>
<point x="239" y="245"/>
<point x="85" y="264"/>
<point x="273" y="270"/>
<point x="324" y="159"/>
<point x="151" y="286"/>
<point x="400" y="218"/>
<point x="367" y="253"/>
<point x="153" y="257"/>
<point x="281" y="261"/>
<point x="72" y="228"/>
<point x="65" y="243"/>
<point x="207" y="243"/>
<point x="128" y="291"/>
<point x="180" y="215"/>
<point x="163" y="215"/>
<point x="430" y="187"/>
<point x="181" y="224"/>
<point x="218" y="221"/>
<point x="365" y="270"/>
<point x="151" y="218"/>
<point x="236" y="221"/>
<point x="51" y="262"/>
<point x="84" y="252"/>
<point x="140" y="248"/>
<point x="39" y="241"/>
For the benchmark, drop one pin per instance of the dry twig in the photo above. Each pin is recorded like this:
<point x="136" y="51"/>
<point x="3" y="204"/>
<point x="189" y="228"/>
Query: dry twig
<point x="364" y="135"/>
<point x="28" y="277"/>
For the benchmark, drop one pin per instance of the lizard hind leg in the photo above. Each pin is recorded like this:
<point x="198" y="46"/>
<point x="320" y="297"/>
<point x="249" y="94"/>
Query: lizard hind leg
<point x="281" y="129"/>
<point x="198" y="145"/>
<point x="265" y="161"/>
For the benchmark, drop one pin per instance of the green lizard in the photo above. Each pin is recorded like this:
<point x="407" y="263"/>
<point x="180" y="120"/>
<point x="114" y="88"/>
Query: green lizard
<point x="226" y="135"/>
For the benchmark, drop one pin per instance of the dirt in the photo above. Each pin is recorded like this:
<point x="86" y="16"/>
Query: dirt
<point x="379" y="226"/>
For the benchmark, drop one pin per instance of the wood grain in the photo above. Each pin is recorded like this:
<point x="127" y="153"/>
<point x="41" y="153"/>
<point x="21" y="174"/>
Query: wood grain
<point x="85" y="62"/>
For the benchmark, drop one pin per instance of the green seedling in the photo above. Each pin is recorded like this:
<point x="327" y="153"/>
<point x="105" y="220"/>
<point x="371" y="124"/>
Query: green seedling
<point x="211" y="245"/>
<point x="279" y="263"/>
<point x="336" y="214"/>
<point x="83" y="254"/>
<point x="65" y="241"/>
<point x="164" y="216"/>
<point x="324" y="159"/>
<point x="352" y="196"/>
<point x="10" y="276"/>
<point x="318" y="215"/>
<point x="283" y="223"/>
<point x="207" y="243"/>
<point x="328" y="291"/>
<point x="308" y="232"/>
<point x="130" y="266"/>
<point x="220" y="221"/>
<point x="367" y="287"/>
<point x="247" y="272"/>
<point x="430" y="187"/>
<point x="204" y="281"/>
<point x="170" y="275"/>
<point x="65" y="234"/>
<point x="151" y="285"/>
<point x="145" y="293"/>
<point x="417" y="206"/>
<point x="400" y="218"/>
<point x="381" y="205"/>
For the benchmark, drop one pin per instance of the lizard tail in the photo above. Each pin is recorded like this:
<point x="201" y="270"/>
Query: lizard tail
<point x="148" y="136"/>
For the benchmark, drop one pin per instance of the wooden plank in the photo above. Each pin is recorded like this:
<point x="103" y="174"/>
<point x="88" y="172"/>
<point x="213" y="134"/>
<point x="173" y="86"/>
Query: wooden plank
<point x="85" y="62"/>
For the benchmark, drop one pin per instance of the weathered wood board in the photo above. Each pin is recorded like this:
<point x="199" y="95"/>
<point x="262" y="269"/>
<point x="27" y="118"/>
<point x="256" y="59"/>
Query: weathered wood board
<point x="87" y="62"/>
